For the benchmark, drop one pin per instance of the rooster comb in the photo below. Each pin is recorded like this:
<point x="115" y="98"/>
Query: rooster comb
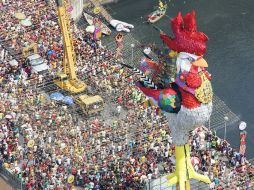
<point x="187" y="38"/>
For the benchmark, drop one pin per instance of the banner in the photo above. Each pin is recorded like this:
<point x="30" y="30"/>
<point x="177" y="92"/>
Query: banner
<point x="243" y="135"/>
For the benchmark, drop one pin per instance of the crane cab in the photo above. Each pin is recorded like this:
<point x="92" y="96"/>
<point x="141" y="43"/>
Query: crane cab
<point x="63" y="82"/>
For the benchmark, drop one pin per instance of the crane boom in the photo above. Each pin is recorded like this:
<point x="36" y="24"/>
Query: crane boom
<point x="69" y="60"/>
<point x="67" y="38"/>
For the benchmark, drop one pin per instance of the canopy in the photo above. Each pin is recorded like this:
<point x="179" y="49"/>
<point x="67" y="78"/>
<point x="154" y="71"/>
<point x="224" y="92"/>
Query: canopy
<point x="70" y="9"/>
<point x="6" y="165"/>
<point x="20" y="15"/>
<point x="147" y="50"/>
<point x="8" y="116"/>
<point x="57" y="96"/>
<point x="68" y="100"/>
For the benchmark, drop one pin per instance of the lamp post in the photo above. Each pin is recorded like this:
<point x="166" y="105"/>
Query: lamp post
<point x="225" y="127"/>
<point x="21" y="180"/>
<point x="132" y="47"/>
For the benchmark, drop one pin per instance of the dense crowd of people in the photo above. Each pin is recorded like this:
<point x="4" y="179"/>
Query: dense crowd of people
<point x="220" y="162"/>
<point x="50" y="146"/>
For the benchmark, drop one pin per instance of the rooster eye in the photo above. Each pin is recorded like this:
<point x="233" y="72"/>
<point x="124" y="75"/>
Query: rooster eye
<point x="190" y="59"/>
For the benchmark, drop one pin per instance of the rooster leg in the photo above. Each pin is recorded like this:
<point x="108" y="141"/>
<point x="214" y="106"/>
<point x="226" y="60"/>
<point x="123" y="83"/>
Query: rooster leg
<point x="192" y="173"/>
<point x="200" y="177"/>
<point x="182" y="184"/>
<point x="172" y="179"/>
<point x="179" y="177"/>
<point x="184" y="170"/>
<point x="188" y="185"/>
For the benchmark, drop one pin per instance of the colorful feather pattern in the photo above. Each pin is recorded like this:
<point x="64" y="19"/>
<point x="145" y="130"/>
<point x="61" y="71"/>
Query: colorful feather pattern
<point x="149" y="68"/>
<point x="166" y="99"/>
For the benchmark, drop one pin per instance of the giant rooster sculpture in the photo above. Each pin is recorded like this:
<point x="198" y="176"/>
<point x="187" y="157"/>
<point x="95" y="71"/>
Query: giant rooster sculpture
<point x="192" y="86"/>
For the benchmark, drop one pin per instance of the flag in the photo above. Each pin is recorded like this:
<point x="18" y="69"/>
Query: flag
<point x="97" y="33"/>
<point x="243" y="135"/>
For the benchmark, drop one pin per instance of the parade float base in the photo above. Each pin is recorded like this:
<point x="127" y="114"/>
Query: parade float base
<point x="161" y="183"/>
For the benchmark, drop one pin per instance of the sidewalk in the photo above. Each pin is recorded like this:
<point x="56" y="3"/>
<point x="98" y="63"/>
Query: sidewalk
<point x="4" y="185"/>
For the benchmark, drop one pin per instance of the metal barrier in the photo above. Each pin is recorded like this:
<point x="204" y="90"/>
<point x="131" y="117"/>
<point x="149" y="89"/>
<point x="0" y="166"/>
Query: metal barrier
<point x="161" y="184"/>
<point x="251" y="161"/>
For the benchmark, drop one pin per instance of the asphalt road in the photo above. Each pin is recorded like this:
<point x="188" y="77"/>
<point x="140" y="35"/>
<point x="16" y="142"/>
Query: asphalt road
<point x="229" y="26"/>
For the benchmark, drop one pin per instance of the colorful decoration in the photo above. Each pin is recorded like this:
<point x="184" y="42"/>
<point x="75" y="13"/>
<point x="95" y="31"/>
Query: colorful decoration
<point x="194" y="88"/>
<point x="149" y="68"/>
<point x="166" y="99"/>
<point x="204" y="93"/>
<point x="243" y="135"/>
<point x="97" y="34"/>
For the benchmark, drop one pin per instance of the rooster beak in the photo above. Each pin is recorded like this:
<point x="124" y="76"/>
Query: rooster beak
<point x="200" y="62"/>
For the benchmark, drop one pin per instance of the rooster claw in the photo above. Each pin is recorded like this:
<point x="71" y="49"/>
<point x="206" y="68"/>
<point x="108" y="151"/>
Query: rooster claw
<point x="184" y="170"/>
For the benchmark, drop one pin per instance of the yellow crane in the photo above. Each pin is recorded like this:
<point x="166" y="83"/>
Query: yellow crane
<point x="68" y="79"/>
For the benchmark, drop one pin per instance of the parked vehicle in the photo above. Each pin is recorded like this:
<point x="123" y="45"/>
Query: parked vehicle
<point x="37" y="63"/>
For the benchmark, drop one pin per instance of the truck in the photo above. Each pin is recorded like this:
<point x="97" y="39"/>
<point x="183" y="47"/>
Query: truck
<point x="90" y="104"/>
<point x="37" y="63"/>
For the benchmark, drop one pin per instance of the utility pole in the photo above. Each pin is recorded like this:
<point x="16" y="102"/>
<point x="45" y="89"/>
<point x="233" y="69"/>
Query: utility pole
<point x="225" y="127"/>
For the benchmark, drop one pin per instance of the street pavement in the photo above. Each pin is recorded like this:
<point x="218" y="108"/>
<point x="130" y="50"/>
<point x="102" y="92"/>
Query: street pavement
<point x="4" y="185"/>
